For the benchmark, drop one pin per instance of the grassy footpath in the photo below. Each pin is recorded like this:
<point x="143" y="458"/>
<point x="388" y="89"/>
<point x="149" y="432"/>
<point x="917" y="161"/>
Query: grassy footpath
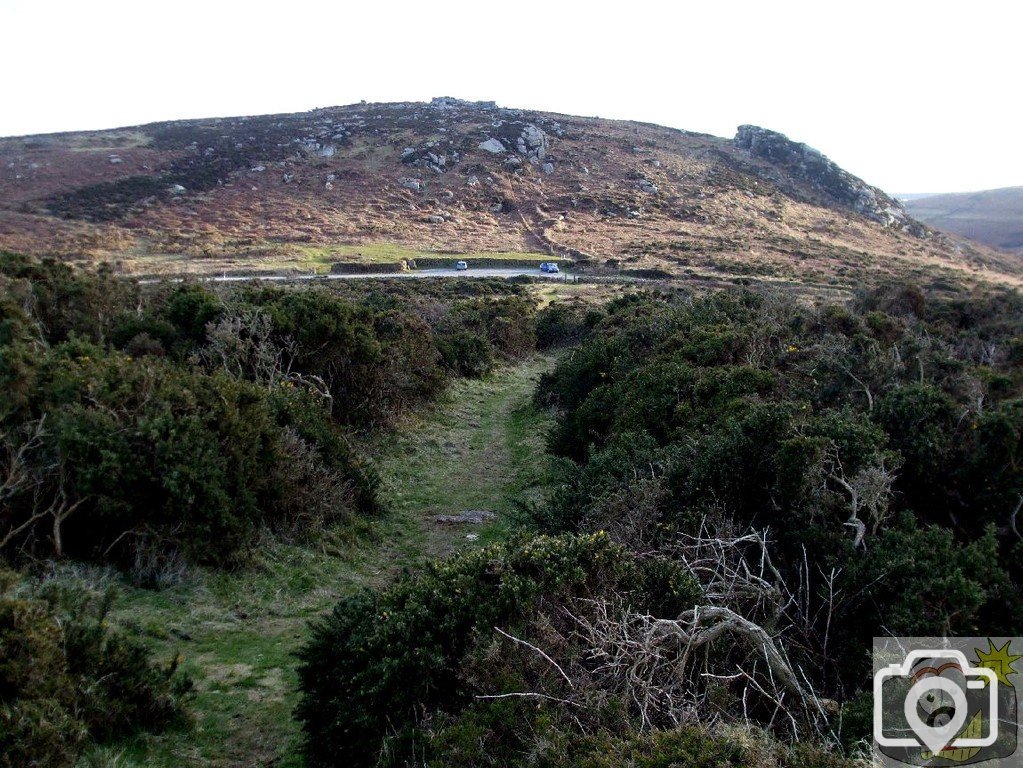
<point x="478" y="449"/>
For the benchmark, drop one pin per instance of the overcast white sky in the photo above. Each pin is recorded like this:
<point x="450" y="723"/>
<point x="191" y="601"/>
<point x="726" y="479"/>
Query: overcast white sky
<point x="914" y="96"/>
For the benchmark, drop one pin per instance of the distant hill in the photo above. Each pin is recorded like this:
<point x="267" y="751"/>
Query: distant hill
<point x="993" y="217"/>
<point x="905" y="197"/>
<point x="372" y="181"/>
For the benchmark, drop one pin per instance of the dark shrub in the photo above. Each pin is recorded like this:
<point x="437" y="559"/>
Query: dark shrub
<point x="518" y="735"/>
<point x="138" y="448"/>
<point x="467" y="354"/>
<point x="564" y="323"/>
<point x="190" y="309"/>
<point x="878" y="443"/>
<point x="66" y="301"/>
<point x="380" y="662"/>
<point x="67" y="679"/>
<point x="181" y="418"/>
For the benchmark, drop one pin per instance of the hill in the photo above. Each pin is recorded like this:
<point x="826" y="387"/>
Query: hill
<point x="381" y="182"/>
<point x="993" y="217"/>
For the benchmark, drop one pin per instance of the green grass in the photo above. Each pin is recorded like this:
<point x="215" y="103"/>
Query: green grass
<point x="477" y="450"/>
<point x="107" y="141"/>
<point x="272" y="257"/>
<point x="320" y="257"/>
<point x="237" y="632"/>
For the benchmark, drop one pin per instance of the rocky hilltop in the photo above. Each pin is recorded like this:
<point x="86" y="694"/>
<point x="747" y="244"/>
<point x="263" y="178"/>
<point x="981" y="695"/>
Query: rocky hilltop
<point x="365" y="181"/>
<point x="800" y="162"/>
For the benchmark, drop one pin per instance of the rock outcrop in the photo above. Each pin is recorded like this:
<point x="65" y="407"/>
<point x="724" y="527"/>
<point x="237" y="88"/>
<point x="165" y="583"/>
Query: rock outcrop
<point x="807" y="164"/>
<point x="526" y="139"/>
<point x="450" y="102"/>
<point x="532" y="143"/>
<point x="493" y="146"/>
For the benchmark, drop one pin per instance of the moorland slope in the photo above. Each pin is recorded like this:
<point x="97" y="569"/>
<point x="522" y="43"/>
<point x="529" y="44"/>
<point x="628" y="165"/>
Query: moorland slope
<point x="383" y="182"/>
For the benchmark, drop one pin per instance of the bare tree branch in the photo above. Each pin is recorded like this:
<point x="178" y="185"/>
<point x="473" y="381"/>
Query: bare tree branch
<point x="1014" y="515"/>
<point x="527" y="695"/>
<point x="539" y="651"/>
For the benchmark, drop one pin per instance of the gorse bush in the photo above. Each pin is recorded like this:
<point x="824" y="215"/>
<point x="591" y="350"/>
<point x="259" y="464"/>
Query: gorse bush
<point x="60" y="300"/>
<point x="157" y="427"/>
<point x="467" y="354"/>
<point x="382" y="664"/>
<point x="564" y="323"/>
<point x="125" y="450"/>
<point x="879" y="442"/>
<point x="747" y="484"/>
<point x="67" y="680"/>
<point x="178" y="419"/>
<point x="516" y="734"/>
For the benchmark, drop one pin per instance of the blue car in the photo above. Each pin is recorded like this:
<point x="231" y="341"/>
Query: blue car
<point x="549" y="267"/>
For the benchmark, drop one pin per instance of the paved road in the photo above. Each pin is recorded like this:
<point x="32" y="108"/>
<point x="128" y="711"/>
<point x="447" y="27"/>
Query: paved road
<point x="416" y="273"/>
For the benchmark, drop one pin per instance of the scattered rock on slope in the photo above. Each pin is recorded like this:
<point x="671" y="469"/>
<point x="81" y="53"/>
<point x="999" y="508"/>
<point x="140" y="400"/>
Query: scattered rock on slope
<point x="468" y="517"/>
<point x="532" y="142"/>
<point x="493" y="146"/>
